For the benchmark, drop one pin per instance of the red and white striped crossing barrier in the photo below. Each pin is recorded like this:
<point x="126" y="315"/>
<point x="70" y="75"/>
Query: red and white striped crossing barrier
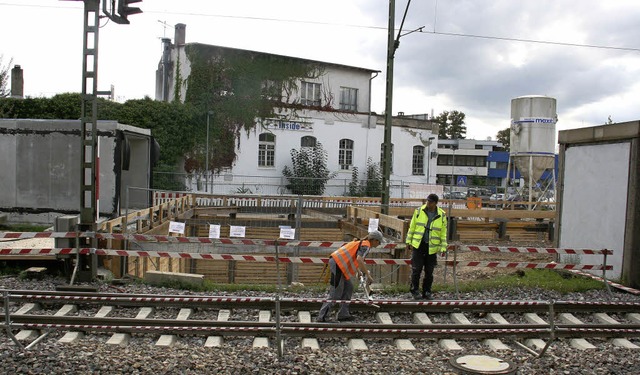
<point x="172" y="239"/>
<point x="306" y="260"/>
<point x="292" y="243"/>
<point x="613" y="284"/>
<point x="533" y="250"/>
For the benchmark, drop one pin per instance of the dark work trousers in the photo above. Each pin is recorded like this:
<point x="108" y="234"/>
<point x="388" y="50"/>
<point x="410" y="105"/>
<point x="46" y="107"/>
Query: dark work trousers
<point x="422" y="260"/>
<point x="340" y="289"/>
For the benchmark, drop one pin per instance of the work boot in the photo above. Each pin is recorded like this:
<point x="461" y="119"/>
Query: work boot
<point x="427" y="296"/>
<point x="416" y="295"/>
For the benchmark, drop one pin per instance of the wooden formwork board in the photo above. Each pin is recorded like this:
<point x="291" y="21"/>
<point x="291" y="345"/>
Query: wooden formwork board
<point x="306" y="234"/>
<point x="138" y="266"/>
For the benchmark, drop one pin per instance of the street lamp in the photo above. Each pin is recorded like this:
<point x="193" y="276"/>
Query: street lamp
<point x="429" y="157"/>
<point x="453" y="166"/>
<point x="206" y="168"/>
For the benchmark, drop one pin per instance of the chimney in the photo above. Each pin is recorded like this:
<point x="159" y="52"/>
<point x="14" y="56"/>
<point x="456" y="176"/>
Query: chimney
<point x="17" y="82"/>
<point x="180" y="37"/>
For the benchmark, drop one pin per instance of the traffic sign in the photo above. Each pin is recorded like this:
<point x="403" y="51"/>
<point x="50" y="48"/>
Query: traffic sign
<point x="462" y="181"/>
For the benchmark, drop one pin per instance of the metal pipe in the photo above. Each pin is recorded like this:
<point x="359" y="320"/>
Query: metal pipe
<point x="7" y="321"/>
<point x="278" y="327"/>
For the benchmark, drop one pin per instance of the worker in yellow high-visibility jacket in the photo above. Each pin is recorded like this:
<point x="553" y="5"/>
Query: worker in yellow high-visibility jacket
<point x="426" y="238"/>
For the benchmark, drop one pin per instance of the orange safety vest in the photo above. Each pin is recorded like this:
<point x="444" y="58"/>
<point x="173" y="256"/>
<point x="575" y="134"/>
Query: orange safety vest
<point x="345" y="257"/>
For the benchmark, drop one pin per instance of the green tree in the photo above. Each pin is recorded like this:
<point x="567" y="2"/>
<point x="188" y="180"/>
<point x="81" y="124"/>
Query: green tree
<point x="373" y="184"/>
<point x="354" y="185"/>
<point x="451" y="125"/>
<point x="309" y="173"/>
<point x="4" y="78"/>
<point x="504" y="137"/>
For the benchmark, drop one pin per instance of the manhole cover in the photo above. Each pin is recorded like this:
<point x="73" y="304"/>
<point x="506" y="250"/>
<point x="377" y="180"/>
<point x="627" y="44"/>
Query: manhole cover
<point x="482" y="364"/>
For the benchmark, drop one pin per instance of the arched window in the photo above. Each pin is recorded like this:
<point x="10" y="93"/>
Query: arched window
<point x="308" y="141"/>
<point x="345" y="154"/>
<point x="382" y="157"/>
<point x="266" y="150"/>
<point x="417" y="166"/>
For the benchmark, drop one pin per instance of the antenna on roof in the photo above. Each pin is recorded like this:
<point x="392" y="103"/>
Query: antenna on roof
<point x="164" y="27"/>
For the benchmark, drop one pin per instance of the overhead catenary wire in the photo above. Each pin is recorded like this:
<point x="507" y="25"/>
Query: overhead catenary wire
<point x="381" y="28"/>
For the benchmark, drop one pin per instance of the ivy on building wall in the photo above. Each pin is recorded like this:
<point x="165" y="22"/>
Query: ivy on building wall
<point x="241" y="89"/>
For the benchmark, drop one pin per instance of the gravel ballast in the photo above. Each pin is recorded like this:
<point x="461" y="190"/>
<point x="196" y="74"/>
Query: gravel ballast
<point x="91" y="355"/>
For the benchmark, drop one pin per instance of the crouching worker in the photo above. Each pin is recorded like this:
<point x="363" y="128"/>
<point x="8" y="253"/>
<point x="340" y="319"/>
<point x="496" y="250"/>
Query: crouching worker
<point x="344" y="264"/>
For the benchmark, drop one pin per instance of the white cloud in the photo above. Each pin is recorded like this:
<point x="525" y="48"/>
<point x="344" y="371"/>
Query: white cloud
<point x="477" y="73"/>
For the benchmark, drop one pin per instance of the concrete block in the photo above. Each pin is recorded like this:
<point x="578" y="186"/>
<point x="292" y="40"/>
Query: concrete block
<point x="71" y="337"/>
<point x="496" y="345"/>
<point x="104" y="311"/>
<point x="121" y="339"/>
<point x="27" y="308"/>
<point x="66" y="310"/>
<point x="167" y="340"/>
<point x="160" y="277"/>
<point x="581" y="344"/>
<point x="213" y="342"/>
<point x="217" y="341"/>
<point x="401" y="344"/>
<point x="27" y="334"/>
<point x="357" y="344"/>
<point x="536" y="344"/>
<point x="310" y="343"/>
<point x="449" y="344"/>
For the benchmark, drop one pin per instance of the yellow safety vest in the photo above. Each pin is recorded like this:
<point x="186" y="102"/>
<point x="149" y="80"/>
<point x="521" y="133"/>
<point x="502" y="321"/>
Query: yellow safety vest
<point x="437" y="231"/>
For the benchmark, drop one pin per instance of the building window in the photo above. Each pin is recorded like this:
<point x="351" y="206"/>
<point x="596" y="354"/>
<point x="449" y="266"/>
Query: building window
<point x="382" y="157"/>
<point x="308" y="141"/>
<point x="418" y="161"/>
<point x="348" y="99"/>
<point x="345" y="154"/>
<point x="266" y="150"/>
<point x="310" y="94"/>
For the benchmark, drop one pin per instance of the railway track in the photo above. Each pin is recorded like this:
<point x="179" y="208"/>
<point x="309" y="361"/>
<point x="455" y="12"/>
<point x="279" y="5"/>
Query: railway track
<point x="32" y="316"/>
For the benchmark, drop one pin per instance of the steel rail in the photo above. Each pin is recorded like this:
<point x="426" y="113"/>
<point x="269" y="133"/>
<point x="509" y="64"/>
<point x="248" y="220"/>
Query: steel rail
<point x="354" y="330"/>
<point x="391" y="305"/>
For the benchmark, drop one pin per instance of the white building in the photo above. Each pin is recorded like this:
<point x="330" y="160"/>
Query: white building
<point x="334" y="110"/>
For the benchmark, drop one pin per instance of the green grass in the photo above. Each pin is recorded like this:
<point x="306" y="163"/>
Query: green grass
<point x="16" y="227"/>
<point x="559" y="281"/>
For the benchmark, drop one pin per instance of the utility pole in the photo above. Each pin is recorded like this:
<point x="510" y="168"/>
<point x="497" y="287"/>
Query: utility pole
<point x="392" y="46"/>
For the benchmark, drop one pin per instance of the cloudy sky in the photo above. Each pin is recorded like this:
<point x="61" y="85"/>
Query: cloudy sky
<point x="472" y="56"/>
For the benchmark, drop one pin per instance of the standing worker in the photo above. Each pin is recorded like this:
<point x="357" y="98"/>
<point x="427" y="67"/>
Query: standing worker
<point x="427" y="236"/>
<point x="344" y="264"/>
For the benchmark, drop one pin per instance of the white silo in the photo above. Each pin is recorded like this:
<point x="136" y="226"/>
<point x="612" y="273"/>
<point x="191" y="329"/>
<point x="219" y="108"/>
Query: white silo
<point x="533" y="135"/>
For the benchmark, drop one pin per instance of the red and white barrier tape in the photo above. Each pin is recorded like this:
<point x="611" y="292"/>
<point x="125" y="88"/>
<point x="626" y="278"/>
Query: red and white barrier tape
<point x="613" y="284"/>
<point x="306" y="260"/>
<point x="245" y="241"/>
<point x="533" y="250"/>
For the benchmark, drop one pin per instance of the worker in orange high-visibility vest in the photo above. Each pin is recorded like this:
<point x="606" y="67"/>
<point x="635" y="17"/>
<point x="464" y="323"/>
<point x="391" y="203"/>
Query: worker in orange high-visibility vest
<point x="345" y="263"/>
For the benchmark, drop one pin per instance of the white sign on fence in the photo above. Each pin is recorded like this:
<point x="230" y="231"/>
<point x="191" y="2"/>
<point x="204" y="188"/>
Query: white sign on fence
<point x="236" y="231"/>
<point x="214" y="230"/>
<point x="176" y="227"/>
<point x="373" y="224"/>
<point x="288" y="233"/>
